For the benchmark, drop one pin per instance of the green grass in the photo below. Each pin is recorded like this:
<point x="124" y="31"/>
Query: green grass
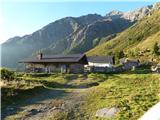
<point x="133" y="94"/>
<point x="58" y="80"/>
<point x="16" y="96"/>
<point x="31" y="84"/>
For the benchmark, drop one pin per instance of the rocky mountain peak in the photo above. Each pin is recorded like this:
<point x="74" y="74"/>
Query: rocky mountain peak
<point x="156" y="6"/>
<point x="137" y="14"/>
<point x="114" y="12"/>
<point x="141" y="12"/>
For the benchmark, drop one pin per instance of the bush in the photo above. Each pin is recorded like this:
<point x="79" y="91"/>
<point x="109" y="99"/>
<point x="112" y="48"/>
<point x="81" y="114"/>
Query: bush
<point x="36" y="75"/>
<point x="118" y="55"/>
<point x="7" y="74"/>
<point x="156" y="49"/>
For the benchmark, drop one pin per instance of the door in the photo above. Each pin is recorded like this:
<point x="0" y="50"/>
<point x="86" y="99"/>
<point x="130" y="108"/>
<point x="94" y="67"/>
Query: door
<point x="63" y="68"/>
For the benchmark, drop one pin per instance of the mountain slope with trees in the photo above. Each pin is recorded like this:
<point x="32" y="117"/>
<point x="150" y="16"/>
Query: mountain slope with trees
<point x="137" y="41"/>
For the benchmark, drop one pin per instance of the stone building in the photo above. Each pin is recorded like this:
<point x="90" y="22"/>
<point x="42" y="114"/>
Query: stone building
<point x="56" y="63"/>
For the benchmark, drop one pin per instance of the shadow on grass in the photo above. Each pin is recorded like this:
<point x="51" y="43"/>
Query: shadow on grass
<point x="137" y="71"/>
<point x="75" y="86"/>
<point x="14" y="99"/>
<point x="143" y="69"/>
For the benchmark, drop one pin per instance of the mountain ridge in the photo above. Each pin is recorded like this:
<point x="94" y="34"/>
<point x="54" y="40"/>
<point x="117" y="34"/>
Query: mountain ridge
<point x="137" y="41"/>
<point x="67" y="35"/>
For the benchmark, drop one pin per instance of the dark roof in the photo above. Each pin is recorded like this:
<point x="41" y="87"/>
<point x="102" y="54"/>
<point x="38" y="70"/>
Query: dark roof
<point x="55" y="59"/>
<point x="100" y="59"/>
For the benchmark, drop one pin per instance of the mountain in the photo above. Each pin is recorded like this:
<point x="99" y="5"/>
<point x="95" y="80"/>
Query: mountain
<point x="70" y="35"/>
<point x="18" y="48"/>
<point x="137" y="41"/>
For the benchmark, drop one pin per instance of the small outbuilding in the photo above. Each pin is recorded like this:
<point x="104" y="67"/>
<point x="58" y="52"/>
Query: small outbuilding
<point x="128" y="63"/>
<point x="100" y="63"/>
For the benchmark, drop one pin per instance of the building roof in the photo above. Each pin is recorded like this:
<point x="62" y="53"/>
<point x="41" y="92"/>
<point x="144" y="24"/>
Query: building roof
<point x="126" y="60"/>
<point x="74" y="58"/>
<point x="100" y="59"/>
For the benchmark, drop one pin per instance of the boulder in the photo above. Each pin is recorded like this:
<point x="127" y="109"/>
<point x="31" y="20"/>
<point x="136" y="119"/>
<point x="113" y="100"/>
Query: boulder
<point x="107" y="112"/>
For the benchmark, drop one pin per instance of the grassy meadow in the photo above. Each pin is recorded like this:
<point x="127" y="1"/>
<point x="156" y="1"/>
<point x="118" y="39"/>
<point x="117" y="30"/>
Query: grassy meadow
<point x="131" y="93"/>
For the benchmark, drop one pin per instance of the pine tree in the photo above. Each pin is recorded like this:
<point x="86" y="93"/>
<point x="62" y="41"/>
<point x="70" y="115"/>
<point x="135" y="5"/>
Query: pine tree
<point x="121" y="54"/>
<point x="156" y="49"/>
<point x="118" y="55"/>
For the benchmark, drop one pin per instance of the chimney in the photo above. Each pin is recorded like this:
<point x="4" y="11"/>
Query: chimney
<point x="39" y="56"/>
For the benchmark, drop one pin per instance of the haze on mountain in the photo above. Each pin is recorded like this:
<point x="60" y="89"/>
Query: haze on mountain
<point x="71" y="35"/>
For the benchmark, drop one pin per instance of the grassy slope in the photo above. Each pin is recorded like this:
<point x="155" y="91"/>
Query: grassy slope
<point x="149" y="42"/>
<point x="142" y="34"/>
<point x="133" y="94"/>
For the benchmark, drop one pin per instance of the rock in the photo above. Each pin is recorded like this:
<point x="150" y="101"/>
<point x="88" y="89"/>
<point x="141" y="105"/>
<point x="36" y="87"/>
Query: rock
<point x="107" y="112"/>
<point x="54" y="108"/>
<point x="10" y="108"/>
<point x="63" y="106"/>
<point x="33" y="112"/>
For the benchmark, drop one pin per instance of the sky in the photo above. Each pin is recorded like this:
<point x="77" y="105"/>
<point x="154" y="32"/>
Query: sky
<point x="21" y="17"/>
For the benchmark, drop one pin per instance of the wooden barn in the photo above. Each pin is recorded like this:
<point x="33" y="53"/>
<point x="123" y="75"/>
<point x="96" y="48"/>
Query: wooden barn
<point x="56" y="63"/>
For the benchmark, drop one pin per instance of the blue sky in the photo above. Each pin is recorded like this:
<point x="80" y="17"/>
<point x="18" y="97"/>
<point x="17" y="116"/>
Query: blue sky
<point x="20" y="18"/>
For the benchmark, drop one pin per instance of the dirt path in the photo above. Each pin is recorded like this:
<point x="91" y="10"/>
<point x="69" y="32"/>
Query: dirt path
<point x="46" y="104"/>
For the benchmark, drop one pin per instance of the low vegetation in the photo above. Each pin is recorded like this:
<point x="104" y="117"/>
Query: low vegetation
<point x="156" y="49"/>
<point x="25" y="85"/>
<point x="6" y="74"/>
<point x="131" y="93"/>
<point x="59" y="80"/>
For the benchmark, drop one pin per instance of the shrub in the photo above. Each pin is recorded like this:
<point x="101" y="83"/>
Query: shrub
<point x="156" y="49"/>
<point x="36" y="75"/>
<point x="59" y="115"/>
<point x="7" y="74"/>
<point x="118" y="55"/>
